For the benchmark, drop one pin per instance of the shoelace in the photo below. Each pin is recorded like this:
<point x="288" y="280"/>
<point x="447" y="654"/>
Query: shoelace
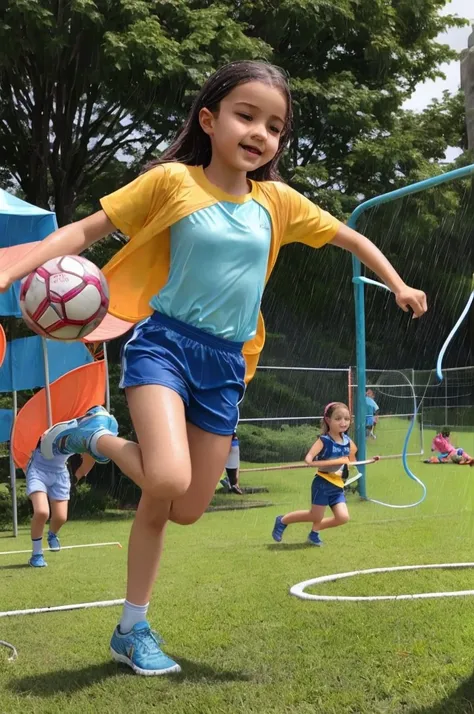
<point x="148" y="634"/>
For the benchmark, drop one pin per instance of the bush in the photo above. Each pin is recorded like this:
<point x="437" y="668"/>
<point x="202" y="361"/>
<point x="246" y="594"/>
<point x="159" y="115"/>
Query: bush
<point x="23" y="506"/>
<point x="87" y="501"/>
<point x="282" y="444"/>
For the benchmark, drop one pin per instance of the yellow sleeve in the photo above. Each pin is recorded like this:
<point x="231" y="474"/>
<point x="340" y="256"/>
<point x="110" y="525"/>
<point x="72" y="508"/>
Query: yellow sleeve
<point x="134" y="205"/>
<point x="306" y="222"/>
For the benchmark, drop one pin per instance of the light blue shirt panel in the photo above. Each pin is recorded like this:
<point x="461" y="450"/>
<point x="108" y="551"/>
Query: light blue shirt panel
<point x="219" y="258"/>
<point x="371" y="406"/>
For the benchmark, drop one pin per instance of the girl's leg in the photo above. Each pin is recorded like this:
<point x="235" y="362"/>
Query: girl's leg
<point x="339" y="518"/>
<point x="58" y="515"/>
<point x="159" y="464"/>
<point x="40" y="515"/>
<point x="313" y="515"/>
<point x="209" y="453"/>
<point x="40" y="504"/>
<point x="164" y="465"/>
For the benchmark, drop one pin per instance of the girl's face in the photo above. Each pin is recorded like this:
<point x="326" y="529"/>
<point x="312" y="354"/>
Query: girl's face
<point x="340" y="420"/>
<point x="245" y="132"/>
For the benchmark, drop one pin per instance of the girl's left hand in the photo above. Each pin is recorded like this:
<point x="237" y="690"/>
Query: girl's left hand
<point x="408" y="297"/>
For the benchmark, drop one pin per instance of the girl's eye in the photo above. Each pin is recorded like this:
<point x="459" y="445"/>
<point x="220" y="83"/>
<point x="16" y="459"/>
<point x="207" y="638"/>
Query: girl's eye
<point x="275" y="129"/>
<point x="247" y="117"/>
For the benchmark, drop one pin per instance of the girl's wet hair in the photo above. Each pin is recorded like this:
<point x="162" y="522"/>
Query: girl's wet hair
<point x="445" y="431"/>
<point x="328" y="412"/>
<point x="192" y="146"/>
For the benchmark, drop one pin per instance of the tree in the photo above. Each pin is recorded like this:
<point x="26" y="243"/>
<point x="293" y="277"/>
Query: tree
<point x="85" y="81"/>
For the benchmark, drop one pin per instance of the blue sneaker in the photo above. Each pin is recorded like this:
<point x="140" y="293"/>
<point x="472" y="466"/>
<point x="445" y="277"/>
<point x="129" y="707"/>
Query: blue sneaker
<point x="79" y="435"/>
<point x="140" y="649"/>
<point x="278" y="529"/>
<point x="314" y="538"/>
<point x="225" y="484"/>
<point x="37" y="561"/>
<point x="53" y="542"/>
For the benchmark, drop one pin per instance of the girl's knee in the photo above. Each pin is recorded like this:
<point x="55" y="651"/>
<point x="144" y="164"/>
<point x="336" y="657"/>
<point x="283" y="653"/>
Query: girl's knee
<point x="167" y="481"/>
<point x="184" y="516"/>
<point x="41" y="515"/>
<point x="343" y="518"/>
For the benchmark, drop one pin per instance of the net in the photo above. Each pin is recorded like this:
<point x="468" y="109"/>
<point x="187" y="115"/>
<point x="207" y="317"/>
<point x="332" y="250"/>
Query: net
<point x="283" y="408"/>
<point x="394" y="393"/>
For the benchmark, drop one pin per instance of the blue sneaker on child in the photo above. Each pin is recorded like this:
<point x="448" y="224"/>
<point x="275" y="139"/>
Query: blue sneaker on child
<point x="314" y="538"/>
<point x="140" y="649"/>
<point x="37" y="561"/>
<point x="53" y="542"/>
<point x="79" y="435"/>
<point x="278" y="529"/>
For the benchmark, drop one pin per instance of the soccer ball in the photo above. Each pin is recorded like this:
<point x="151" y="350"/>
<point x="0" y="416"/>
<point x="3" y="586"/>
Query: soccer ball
<point x="64" y="299"/>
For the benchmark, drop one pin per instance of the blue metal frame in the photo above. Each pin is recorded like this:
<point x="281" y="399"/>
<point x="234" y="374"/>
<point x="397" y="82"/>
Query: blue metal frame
<point x="359" y="300"/>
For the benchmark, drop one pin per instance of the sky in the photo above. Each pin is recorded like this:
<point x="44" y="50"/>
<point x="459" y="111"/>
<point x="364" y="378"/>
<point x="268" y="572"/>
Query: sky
<point x="457" y="39"/>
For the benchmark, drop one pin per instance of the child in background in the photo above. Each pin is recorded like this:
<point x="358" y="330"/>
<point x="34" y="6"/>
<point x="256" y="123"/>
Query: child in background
<point x="231" y="482"/>
<point x="446" y="451"/>
<point x="48" y="485"/>
<point x="332" y="451"/>
<point x="371" y="414"/>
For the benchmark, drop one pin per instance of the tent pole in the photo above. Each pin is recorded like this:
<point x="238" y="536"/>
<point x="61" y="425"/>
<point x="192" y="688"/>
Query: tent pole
<point x="13" y="467"/>
<point x="47" y="389"/>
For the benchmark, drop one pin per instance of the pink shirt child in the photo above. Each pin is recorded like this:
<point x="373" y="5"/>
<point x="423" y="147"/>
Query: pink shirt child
<point x="442" y="444"/>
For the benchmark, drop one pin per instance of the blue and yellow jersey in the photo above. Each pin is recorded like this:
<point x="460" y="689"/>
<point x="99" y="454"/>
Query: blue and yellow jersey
<point x="333" y="450"/>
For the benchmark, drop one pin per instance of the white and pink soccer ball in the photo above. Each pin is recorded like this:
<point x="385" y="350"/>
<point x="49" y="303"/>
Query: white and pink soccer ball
<point x="64" y="299"/>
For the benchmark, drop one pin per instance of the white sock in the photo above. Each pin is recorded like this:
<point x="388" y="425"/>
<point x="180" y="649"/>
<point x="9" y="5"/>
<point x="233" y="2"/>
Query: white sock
<point x="132" y="614"/>
<point x="37" y="545"/>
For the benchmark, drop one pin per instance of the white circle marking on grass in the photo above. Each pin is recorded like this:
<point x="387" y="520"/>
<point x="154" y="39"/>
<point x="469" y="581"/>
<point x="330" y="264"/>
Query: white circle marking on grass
<point x="299" y="589"/>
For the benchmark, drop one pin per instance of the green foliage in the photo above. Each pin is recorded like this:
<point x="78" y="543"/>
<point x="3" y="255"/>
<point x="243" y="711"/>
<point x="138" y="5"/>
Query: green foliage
<point x="90" y="85"/>
<point x="280" y="445"/>
<point x="23" y="506"/>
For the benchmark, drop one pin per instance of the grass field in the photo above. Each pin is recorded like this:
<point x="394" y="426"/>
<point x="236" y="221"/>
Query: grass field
<point x="223" y="606"/>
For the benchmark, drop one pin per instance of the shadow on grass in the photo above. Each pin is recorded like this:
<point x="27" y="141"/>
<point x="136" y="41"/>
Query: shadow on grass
<point x="15" y="566"/>
<point x="461" y="701"/>
<point x="290" y="546"/>
<point x="66" y="681"/>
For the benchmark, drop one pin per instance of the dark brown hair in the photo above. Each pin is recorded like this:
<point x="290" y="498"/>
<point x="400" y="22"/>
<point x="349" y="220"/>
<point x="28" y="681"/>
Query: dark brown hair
<point x="192" y="146"/>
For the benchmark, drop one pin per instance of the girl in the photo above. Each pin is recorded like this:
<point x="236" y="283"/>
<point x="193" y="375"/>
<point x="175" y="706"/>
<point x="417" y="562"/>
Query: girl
<point x="206" y="223"/>
<point x="231" y="482"/>
<point x="48" y="485"/>
<point x="332" y="451"/>
<point x="448" y="452"/>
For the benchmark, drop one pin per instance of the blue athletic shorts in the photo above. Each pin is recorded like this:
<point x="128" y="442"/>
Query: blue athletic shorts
<point x="369" y="421"/>
<point x="206" y="371"/>
<point x="56" y="484"/>
<point x="324" y="493"/>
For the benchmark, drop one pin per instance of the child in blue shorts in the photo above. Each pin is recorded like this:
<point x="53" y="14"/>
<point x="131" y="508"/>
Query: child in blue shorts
<point x="332" y="451"/>
<point x="48" y="486"/>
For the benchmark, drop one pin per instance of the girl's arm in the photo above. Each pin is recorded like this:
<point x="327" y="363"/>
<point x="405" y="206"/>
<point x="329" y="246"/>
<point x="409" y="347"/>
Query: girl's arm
<point x="69" y="240"/>
<point x="371" y="256"/>
<point x="314" y="451"/>
<point x="353" y="451"/>
<point x="87" y="463"/>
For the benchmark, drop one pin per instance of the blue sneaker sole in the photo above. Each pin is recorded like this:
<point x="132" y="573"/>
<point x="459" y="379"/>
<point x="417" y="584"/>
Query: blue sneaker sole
<point x="123" y="659"/>
<point x="49" y="436"/>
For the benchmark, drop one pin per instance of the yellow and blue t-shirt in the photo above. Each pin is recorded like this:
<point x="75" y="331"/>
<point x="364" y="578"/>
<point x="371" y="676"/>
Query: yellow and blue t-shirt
<point x="201" y="255"/>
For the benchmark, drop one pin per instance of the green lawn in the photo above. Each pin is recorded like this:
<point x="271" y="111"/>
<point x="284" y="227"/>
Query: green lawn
<point x="223" y="605"/>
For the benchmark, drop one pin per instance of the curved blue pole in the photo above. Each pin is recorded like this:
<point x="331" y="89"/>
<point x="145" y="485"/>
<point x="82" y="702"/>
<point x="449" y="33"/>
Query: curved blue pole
<point x="359" y="300"/>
